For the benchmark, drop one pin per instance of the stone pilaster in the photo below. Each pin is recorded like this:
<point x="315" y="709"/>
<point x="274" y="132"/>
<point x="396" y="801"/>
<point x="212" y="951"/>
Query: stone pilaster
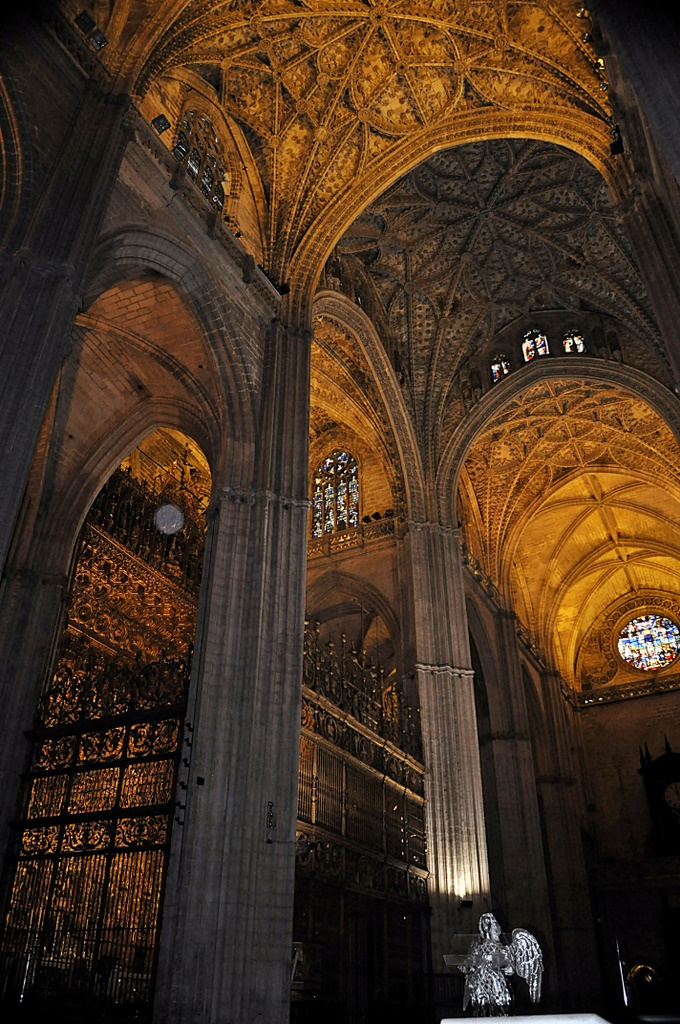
<point x="456" y="843"/>
<point x="226" y="938"/>
<point x="40" y="283"/>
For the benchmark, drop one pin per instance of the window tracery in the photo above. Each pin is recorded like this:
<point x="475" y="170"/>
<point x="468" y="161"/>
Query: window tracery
<point x="649" y="642"/>
<point x="500" y="367"/>
<point x="573" y="341"/>
<point x="535" y="344"/>
<point x="335" y="501"/>
<point x="198" y="149"/>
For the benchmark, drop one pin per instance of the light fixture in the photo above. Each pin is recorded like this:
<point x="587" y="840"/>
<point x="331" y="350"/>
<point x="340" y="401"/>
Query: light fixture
<point x="169" y="519"/>
<point x="88" y="26"/>
<point x="97" y="39"/>
<point x="160" y="123"/>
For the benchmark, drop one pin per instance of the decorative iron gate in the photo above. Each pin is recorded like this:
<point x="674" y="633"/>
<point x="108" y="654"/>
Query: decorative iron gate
<point x="87" y="871"/>
<point x="91" y="851"/>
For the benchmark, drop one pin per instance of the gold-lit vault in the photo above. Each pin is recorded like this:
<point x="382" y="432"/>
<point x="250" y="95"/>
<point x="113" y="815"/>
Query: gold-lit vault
<point x="570" y="500"/>
<point x="336" y="100"/>
<point x="347" y="411"/>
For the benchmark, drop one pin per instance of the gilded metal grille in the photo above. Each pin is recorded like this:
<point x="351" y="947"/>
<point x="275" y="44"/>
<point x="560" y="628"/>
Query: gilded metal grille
<point x="87" y="874"/>
<point x="90" y="859"/>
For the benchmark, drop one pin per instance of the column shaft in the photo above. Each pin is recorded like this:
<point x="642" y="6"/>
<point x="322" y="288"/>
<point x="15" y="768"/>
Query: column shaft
<point x="40" y="283"/>
<point x="456" y="844"/>
<point x="227" y="933"/>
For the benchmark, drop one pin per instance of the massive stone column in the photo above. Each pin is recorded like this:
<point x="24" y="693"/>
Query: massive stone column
<point x="456" y="841"/>
<point x="562" y="804"/>
<point x="226" y="938"/>
<point x="520" y="826"/>
<point x="40" y="280"/>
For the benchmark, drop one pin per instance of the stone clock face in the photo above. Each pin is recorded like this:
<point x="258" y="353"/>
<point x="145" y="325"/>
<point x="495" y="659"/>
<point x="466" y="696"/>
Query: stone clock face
<point x="672" y="796"/>
<point x="169" y="519"/>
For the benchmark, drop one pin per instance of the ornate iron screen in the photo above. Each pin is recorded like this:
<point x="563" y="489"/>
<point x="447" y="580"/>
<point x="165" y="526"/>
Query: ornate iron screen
<point x="88" y="867"/>
<point x="91" y="851"/>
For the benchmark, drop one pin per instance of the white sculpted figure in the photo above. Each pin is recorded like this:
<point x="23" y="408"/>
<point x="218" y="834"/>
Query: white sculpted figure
<point x="489" y="961"/>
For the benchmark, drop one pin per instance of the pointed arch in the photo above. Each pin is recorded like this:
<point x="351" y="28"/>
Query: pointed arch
<point x="350" y="316"/>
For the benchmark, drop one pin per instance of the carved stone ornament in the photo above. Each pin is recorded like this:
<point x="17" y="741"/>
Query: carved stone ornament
<point x="327" y="94"/>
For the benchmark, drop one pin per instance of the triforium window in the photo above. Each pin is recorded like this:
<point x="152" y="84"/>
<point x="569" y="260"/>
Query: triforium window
<point x="500" y="367"/>
<point x="198" y="149"/>
<point x="573" y="342"/>
<point x="335" y="505"/>
<point x="649" y="642"/>
<point x="535" y="344"/>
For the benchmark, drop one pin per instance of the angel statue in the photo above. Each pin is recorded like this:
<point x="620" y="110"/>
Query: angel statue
<point x="489" y="961"/>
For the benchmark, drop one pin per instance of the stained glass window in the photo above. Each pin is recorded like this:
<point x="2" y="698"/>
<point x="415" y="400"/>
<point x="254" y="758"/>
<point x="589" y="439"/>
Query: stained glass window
<point x="535" y="344"/>
<point x="650" y="642"/>
<point x="198" y="148"/>
<point x="573" y="342"/>
<point x="500" y="367"/>
<point x="335" y="501"/>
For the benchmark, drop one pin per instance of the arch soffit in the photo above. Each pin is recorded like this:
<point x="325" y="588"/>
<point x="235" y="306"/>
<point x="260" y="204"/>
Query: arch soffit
<point x="131" y="55"/>
<point x="493" y="404"/>
<point x="350" y="317"/>
<point x="205" y="399"/>
<point x="333" y="95"/>
<point x="335" y="581"/>
<point x="105" y="455"/>
<point x="127" y="253"/>
<point x="353" y="432"/>
<point x="592" y="564"/>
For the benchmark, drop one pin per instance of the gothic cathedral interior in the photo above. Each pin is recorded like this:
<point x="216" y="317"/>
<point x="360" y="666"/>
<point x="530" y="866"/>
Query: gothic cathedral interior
<point x="340" y="506"/>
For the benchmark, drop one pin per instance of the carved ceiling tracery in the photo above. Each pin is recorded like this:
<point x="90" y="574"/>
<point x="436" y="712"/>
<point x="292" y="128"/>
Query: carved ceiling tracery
<point x="571" y="502"/>
<point x="476" y="238"/>
<point x="328" y="92"/>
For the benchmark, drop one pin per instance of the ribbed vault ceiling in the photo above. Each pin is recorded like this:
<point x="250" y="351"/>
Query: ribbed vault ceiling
<point x="477" y="237"/>
<point x="338" y="97"/>
<point x="571" y="501"/>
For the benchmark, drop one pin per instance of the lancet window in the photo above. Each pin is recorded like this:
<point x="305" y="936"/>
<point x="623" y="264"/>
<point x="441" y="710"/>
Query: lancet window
<point x="535" y="344"/>
<point x="573" y="342"/>
<point x="198" y="149"/>
<point x="500" y="367"/>
<point x="335" y="501"/>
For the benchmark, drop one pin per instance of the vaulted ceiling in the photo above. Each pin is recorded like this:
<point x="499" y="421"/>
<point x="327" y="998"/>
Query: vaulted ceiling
<point x="337" y="98"/>
<point x="474" y="239"/>
<point x="571" y="502"/>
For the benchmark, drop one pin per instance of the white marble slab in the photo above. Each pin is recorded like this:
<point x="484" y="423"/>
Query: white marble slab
<point x="541" y="1018"/>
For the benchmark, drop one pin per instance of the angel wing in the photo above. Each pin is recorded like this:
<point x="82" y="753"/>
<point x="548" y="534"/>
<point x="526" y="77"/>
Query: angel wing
<point x="528" y="961"/>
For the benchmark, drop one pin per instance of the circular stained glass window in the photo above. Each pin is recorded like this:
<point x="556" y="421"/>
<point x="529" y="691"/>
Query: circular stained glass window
<point x="650" y="642"/>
